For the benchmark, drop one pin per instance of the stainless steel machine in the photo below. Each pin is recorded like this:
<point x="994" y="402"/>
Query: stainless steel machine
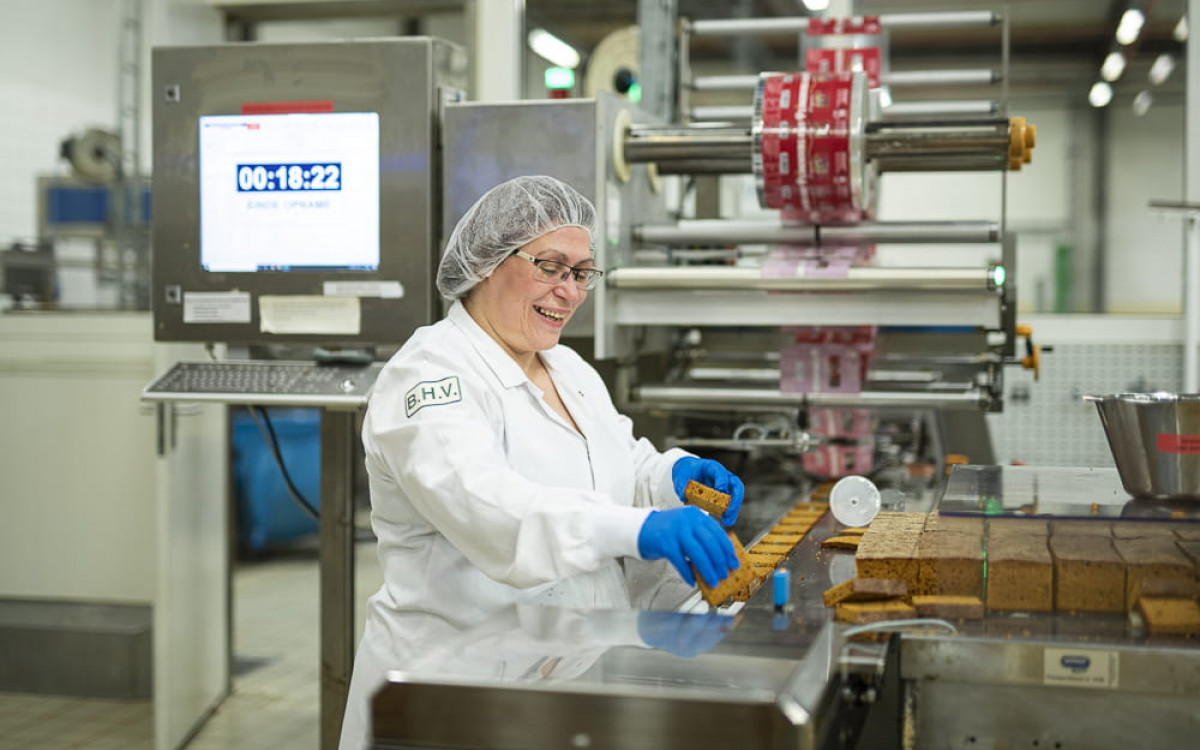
<point x="297" y="189"/>
<point x="297" y="204"/>
<point x="706" y="294"/>
<point x="760" y="676"/>
<point x="781" y="333"/>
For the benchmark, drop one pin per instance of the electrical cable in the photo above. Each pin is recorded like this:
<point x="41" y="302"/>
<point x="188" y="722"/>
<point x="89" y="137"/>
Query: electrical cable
<point x="897" y="626"/>
<point x="263" y="420"/>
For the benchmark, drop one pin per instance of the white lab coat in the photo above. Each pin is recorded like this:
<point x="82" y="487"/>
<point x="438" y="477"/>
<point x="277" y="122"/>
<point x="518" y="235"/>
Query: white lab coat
<point x="483" y="497"/>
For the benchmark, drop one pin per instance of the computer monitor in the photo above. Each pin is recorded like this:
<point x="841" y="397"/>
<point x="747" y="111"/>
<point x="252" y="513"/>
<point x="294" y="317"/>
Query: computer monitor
<point x="297" y="190"/>
<point x="290" y="192"/>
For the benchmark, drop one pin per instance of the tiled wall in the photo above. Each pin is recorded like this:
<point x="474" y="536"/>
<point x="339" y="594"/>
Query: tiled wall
<point x="1047" y="423"/>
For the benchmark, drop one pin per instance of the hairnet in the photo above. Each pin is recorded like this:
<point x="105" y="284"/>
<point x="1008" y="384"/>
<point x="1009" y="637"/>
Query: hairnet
<point x="510" y="215"/>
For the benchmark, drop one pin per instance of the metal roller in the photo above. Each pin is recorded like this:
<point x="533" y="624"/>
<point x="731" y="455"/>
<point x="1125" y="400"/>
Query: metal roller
<point x="669" y="396"/>
<point x="987" y="139"/>
<point x="984" y="144"/>
<point x="990" y="137"/>
<point x="860" y="279"/>
<point x="722" y="232"/>
<point x="896" y="111"/>
<point x="909" y="78"/>
<point x="663" y="144"/>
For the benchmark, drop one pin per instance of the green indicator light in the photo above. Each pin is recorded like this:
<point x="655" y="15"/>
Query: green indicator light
<point x="560" y="78"/>
<point x="999" y="276"/>
<point x="635" y="93"/>
<point x="992" y="506"/>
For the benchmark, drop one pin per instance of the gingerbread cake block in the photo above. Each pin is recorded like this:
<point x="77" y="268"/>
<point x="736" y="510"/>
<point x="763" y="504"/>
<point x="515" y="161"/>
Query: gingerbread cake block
<point x="950" y="563"/>
<point x="1154" y="557"/>
<point x="1089" y="574"/>
<point x="1020" y="575"/>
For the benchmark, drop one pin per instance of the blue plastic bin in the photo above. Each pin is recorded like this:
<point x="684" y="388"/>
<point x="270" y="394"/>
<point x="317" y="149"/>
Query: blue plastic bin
<point x="267" y="514"/>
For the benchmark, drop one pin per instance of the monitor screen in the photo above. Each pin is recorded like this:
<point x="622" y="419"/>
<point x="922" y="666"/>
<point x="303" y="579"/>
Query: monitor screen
<point x="289" y="192"/>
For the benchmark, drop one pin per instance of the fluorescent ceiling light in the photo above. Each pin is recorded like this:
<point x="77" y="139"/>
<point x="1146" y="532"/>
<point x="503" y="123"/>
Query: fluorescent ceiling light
<point x="553" y="49"/>
<point x="815" y="5"/>
<point x="1142" y="102"/>
<point x="1100" y="95"/>
<point x="1130" y="26"/>
<point x="1114" y="66"/>
<point x="1181" y="30"/>
<point x="1160" y="69"/>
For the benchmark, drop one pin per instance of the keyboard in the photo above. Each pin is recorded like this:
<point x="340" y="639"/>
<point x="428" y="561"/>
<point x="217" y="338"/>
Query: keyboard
<point x="265" y="382"/>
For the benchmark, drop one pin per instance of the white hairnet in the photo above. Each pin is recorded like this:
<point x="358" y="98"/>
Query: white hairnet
<point x="510" y="215"/>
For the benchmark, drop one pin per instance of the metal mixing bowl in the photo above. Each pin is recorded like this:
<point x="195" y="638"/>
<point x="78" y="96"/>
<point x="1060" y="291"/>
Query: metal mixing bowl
<point x="1155" y="442"/>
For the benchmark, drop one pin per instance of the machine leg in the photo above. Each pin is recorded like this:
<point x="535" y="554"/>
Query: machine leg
<point x="337" y="569"/>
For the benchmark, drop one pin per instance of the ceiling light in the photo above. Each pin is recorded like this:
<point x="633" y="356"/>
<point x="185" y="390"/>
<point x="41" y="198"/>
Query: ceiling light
<point x="553" y="49"/>
<point x="1100" y="95"/>
<point x="1130" y="26"/>
<point x="1161" y="68"/>
<point x="1142" y="102"/>
<point x="1181" y="30"/>
<point x="816" y="5"/>
<point x="1114" y="66"/>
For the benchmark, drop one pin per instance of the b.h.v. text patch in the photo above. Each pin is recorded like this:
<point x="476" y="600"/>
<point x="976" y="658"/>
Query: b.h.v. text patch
<point x="432" y="393"/>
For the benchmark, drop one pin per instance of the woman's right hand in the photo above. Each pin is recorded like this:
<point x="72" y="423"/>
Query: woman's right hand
<point x="688" y="537"/>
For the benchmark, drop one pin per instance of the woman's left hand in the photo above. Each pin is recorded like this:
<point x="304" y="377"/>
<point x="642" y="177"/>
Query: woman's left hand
<point x="710" y="474"/>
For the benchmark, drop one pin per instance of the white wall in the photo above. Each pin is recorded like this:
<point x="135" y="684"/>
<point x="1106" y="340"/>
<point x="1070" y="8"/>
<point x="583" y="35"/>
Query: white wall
<point x="58" y="64"/>
<point x="1050" y="201"/>
<point x="1145" y="248"/>
<point x="77" y="462"/>
<point x="58" y="76"/>
<point x="77" y="458"/>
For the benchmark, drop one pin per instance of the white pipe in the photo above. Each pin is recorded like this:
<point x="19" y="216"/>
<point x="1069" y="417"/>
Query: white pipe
<point x="497" y="49"/>
<point x="940" y="108"/>
<point x="1191" y="306"/>
<point x="799" y="24"/>
<point x="668" y="396"/>
<point x="1191" y="196"/>
<point x="856" y="279"/>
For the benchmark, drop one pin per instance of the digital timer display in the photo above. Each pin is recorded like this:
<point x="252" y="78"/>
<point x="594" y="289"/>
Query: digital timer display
<point x="289" y="192"/>
<point x="271" y="178"/>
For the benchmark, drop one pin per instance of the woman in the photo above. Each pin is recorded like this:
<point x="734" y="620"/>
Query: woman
<point x="500" y="471"/>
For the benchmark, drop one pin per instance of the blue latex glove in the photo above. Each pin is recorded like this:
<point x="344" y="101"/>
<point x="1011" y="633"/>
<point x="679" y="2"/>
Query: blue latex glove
<point x="710" y="474"/>
<point x="688" y="536"/>
<point x="683" y="634"/>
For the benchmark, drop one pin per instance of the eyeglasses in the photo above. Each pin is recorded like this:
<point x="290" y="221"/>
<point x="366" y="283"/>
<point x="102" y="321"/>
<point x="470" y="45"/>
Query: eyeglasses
<point x="555" y="272"/>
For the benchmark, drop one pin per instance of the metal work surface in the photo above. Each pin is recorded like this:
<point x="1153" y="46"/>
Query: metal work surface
<point x="743" y="676"/>
<point x="1053" y="492"/>
<point x="747" y="675"/>
<point x="548" y="678"/>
